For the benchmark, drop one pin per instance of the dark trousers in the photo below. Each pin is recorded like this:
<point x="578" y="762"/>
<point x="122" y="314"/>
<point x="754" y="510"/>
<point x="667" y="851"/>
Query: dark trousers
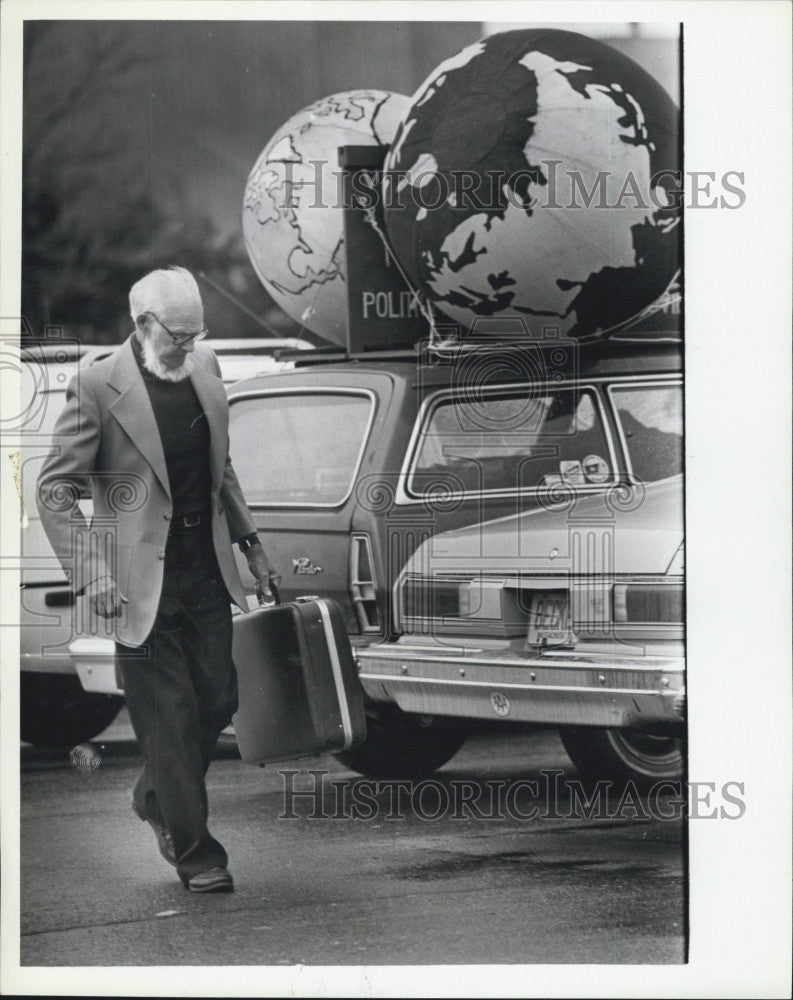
<point x="181" y="691"/>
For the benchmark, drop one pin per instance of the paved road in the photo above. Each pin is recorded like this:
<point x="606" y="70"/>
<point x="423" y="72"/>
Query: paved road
<point x="390" y="887"/>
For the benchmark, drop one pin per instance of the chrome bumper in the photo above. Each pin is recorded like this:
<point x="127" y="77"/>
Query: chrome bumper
<point x="563" y="687"/>
<point x="95" y="662"/>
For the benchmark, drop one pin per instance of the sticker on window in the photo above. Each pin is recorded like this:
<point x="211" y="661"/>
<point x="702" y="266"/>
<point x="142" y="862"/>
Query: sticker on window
<point x="572" y="472"/>
<point x="596" y="469"/>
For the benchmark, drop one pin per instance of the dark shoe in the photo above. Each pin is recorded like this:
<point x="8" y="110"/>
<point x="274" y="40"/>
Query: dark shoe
<point x="212" y="880"/>
<point x="164" y="839"/>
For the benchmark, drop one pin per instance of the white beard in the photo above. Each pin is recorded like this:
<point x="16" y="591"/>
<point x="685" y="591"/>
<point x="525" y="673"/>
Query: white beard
<point x="153" y="364"/>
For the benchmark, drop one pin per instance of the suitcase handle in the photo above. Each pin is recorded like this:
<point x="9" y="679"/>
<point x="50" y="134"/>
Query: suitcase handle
<point x="260" y="598"/>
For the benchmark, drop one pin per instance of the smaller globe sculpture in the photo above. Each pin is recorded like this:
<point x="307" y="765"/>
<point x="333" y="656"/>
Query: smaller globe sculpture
<point x="532" y="179"/>
<point x="292" y="217"/>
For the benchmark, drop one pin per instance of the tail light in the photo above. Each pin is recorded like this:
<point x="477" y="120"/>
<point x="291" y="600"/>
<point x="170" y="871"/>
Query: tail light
<point x="462" y="604"/>
<point x="423" y="598"/>
<point x="559" y="612"/>
<point x="649" y="603"/>
<point x="363" y="586"/>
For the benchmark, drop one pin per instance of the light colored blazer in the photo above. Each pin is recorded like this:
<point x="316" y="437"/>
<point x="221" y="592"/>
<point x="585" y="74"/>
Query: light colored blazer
<point x="106" y="441"/>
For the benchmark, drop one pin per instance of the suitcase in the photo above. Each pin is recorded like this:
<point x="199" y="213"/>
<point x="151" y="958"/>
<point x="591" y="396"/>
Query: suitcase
<point x="299" y="693"/>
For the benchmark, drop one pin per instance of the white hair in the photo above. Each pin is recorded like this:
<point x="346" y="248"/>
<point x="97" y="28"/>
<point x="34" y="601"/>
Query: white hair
<point x="158" y="290"/>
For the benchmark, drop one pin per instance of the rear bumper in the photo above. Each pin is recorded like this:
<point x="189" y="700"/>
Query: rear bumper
<point x="564" y="687"/>
<point x="95" y="663"/>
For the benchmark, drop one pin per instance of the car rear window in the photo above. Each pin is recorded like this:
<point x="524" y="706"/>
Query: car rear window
<point x="514" y="440"/>
<point x="298" y="449"/>
<point x="651" y="418"/>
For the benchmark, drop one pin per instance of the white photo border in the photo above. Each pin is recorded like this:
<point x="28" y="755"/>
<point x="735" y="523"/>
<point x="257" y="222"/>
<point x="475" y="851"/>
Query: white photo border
<point x="737" y="114"/>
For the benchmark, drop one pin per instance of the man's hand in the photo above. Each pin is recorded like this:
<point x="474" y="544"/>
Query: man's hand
<point x="261" y="567"/>
<point x="105" y="597"/>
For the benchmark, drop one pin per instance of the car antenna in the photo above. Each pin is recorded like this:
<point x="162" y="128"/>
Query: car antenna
<point x="236" y="302"/>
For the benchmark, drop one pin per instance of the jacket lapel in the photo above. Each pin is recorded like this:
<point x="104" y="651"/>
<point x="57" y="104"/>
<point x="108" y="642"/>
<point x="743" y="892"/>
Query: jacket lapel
<point x="132" y="409"/>
<point x="212" y="397"/>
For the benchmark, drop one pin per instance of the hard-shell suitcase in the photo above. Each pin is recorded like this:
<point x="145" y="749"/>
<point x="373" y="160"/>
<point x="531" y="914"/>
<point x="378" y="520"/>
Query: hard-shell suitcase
<point x="299" y="693"/>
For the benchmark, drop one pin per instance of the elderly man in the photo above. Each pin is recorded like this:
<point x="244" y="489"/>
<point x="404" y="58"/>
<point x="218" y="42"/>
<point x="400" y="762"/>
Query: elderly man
<point x="147" y="430"/>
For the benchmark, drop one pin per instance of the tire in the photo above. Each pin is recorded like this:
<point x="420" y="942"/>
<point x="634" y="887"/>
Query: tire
<point x="643" y="756"/>
<point x="56" y="711"/>
<point x="400" y="745"/>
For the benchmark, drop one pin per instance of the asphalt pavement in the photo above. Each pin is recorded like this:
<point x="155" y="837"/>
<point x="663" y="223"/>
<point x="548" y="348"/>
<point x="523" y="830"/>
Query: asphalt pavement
<point x="472" y="867"/>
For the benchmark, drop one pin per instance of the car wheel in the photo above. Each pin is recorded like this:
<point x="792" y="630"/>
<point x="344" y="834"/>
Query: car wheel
<point x="400" y="745"/>
<point x="643" y="756"/>
<point x="56" y="711"/>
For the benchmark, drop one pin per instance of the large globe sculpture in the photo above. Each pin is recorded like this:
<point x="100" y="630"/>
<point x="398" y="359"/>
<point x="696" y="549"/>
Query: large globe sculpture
<point x="533" y="178"/>
<point x="292" y="217"/>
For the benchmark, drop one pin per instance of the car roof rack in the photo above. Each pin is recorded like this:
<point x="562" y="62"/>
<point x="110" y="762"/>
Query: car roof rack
<point x="326" y="355"/>
<point x="450" y="350"/>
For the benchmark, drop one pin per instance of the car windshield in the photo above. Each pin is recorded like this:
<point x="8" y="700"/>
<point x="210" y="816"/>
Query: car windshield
<point x="298" y="448"/>
<point x="652" y="426"/>
<point x="509" y="441"/>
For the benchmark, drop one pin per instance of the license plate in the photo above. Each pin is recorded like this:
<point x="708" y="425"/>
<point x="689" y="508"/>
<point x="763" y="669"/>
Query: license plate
<point x="549" y="620"/>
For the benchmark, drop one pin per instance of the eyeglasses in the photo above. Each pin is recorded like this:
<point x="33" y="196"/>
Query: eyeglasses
<point x="179" y="339"/>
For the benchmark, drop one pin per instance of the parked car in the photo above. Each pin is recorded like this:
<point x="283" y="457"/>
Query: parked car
<point x="387" y="484"/>
<point x="571" y="615"/>
<point x="54" y="707"/>
<point x="68" y="690"/>
<point x="421" y="493"/>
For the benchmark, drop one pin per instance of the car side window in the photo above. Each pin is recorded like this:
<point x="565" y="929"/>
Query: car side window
<point x="524" y="439"/>
<point x="298" y="449"/>
<point x="651" y="419"/>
